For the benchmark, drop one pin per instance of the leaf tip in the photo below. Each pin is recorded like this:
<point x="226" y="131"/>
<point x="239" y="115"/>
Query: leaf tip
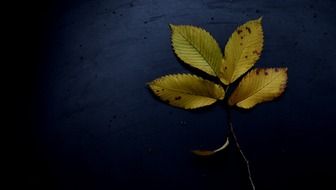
<point x="148" y="84"/>
<point x="171" y="26"/>
<point x="260" y="19"/>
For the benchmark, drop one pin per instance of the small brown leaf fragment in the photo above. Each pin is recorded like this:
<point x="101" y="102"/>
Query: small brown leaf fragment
<point x="211" y="152"/>
<point x="203" y="152"/>
<point x="178" y="98"/>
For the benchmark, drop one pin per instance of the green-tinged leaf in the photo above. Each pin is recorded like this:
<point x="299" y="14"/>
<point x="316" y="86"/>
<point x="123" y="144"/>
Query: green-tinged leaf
<point x="242" y="51"/>
<point x="197" y="48"/>
<point x="211" y="152"/>
<point x="186" y="91"/>
<point x="259" y="85"/>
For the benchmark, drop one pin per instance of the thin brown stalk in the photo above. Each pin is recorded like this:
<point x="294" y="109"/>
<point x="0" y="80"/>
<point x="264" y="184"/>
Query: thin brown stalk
<point x="240" y="150"/>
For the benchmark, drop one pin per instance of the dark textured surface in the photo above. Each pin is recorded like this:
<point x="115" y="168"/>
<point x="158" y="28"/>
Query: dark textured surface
<point x="85" y="119"/>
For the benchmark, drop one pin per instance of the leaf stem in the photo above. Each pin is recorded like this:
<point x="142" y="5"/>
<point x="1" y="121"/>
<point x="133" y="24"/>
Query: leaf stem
<point x="239" y="148"/>
<point x="227" y="88"/>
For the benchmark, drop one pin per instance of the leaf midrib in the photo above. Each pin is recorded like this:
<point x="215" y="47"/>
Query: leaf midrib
<point x="184" y="92"/>
<point x="261" y="88"/>
<point x="199" y="51"/>
<point x="237" y="60"/>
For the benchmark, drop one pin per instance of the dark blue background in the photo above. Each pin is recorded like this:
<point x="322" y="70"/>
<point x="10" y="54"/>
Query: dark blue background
<point x="84" y="118"/>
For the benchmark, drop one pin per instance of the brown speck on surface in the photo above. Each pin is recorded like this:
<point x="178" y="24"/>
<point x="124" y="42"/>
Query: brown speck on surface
<point x="276" y="69"/>
<point x="239" y="31"/>
<point x="257" y="71"/>
<point x="246" y="56"/>
<point x="256" y="52"/>
<point x="183" y="123"/>
<point x="242" y="37"/>
<point x="225" y="67"/>
<point x="178" y="98"/>
<point x="266" y="73"/>
<point x="241" y="44"/>
<point x="314" y="15"/>
<point x="248" y="29"/>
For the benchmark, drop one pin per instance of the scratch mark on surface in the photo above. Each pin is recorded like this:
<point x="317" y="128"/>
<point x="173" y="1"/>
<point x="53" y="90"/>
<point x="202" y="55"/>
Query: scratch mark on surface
<point x="223" y="22"/>
<point x="155" y="18"/>
<point x="219" y="4"/>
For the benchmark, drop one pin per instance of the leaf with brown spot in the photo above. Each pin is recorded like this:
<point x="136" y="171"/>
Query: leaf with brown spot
<point x="211" y="152"/>
<point x="242" y="51"/>
<point x="259" y="85"/>
<point x="186" y="91"/>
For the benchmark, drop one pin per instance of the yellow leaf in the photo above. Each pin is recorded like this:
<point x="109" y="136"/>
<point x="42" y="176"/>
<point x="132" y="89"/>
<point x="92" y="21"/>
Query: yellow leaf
<point x="259" y="85"/>
<point x="211" y="152"/>
<point x="242" y="51"/>
<point x="197" y="48"/>
<point x="186" y="91"/>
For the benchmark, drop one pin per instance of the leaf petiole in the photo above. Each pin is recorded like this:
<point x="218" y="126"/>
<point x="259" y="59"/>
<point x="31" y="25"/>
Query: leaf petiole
<point x="231" y="129"/>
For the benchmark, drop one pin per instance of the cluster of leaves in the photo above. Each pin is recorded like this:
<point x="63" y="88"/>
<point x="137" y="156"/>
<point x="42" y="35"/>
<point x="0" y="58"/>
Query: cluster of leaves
<point x="197" y="48"/>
